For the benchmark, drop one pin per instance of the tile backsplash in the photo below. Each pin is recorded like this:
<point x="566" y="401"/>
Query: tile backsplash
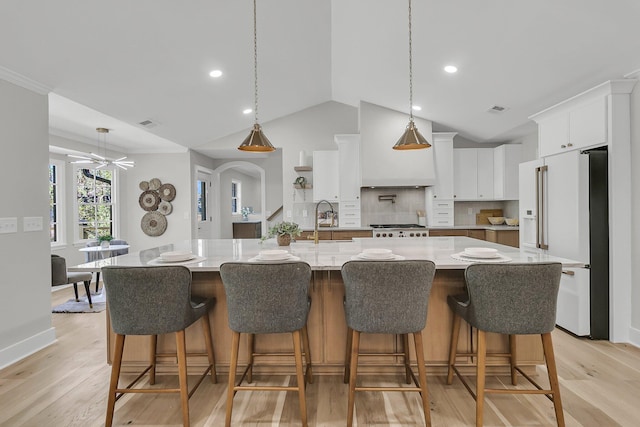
<point x="391" y="205"/>
<point x="464" y="213"/>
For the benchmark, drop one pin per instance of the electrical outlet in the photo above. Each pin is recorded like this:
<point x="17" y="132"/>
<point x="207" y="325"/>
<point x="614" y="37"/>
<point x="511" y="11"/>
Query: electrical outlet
<point x="8" y="225"/>
<point x="289" y="215"/>
<point x="32" y="223"/>
<point x="470" y="211"/>
<point x="305" y="213"/>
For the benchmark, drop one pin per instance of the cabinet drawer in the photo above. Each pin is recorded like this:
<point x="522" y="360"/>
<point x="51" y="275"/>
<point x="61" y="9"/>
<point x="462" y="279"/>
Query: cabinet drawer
<point x="442" y="204"/>
<point x="350" y="205"/>
<point x="349" y="222"/>
<point x="349" y="213"/>
<point x="442" y="222"/>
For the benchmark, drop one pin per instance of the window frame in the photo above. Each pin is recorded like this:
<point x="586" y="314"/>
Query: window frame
<point x="113" y="203"/>
<point x="237" y="197"/>
<point x="60" y="190"/>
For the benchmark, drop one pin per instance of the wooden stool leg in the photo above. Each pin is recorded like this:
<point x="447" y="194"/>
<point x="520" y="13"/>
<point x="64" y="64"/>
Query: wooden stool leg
<point x="480" y="376"/>
<point x="87" y="285"/>
<point x="206" y="327"/>
<point x="513" y="360"/>
<point x="422" y="377"/>
<point x="152" y="358"/>
<point x="453" y="347"/>
<point x="182" y="374"/>
<point x="252" y="348"/>
<point x="235" y="344"/>
<point x="353" y="372"/>
<point x="307" y="353"/>
<point x="115" y="375"/>
<point x="347" y="356"/>
<point x="550" y="358"/>
<point x="297" y="351"/>
<point x="407" y="361"/>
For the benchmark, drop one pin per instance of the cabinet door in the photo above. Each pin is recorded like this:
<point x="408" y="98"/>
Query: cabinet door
<point x="443" y="164"/>
<point x="553" y="135"/>
<point x="588" y="124"/>
<point x="465" y="167"/>
<point x="484" y="168"/>
<point x="506" y="161"/>
<point x="325" y="175"/>
<point x="349" y="167"/>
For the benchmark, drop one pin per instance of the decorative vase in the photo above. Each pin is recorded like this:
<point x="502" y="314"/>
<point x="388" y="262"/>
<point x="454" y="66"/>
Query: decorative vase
<point x="284" y="240"/>
<point x="104" y="244"/>
<point x="245" y="217"/>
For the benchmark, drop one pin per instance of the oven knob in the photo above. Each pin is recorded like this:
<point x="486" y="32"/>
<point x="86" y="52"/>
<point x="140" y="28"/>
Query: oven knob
<point x="390" y="234"/>
<point x="424" y="234"/>
<point x="377" y="234"/>
<point x="384" y="234"/>
<point x="411" y="234"/>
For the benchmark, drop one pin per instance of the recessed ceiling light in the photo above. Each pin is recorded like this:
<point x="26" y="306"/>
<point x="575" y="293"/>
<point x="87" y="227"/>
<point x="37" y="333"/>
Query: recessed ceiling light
<point x="247" y="111"/>
<point x="215" y="73"/>
<point x="417" y="108"/>
<point x="451" y="69"/>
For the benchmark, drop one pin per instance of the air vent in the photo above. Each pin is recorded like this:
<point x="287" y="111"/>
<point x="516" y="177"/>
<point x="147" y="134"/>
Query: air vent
<point x="148" y="123"/>
<point x="496" y="109"/>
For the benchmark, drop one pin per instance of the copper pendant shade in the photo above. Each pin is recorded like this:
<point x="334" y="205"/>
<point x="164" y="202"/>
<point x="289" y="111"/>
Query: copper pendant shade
<point x="411" y="139"/>
<point x="256" y="141"/>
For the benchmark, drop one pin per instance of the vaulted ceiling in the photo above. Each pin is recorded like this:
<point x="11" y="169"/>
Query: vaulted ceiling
<point x="127" y="61"/>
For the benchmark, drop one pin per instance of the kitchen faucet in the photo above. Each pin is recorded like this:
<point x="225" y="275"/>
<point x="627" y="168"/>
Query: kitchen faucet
<point x="315" y="228"/>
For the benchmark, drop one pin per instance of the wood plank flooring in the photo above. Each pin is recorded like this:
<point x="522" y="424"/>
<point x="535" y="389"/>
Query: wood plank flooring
<point x="66" y="385"/>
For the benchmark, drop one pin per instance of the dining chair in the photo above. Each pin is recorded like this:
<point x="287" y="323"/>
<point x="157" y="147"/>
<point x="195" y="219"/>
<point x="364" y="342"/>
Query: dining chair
<point x="60" y="276"/>
<point x="268" y="298"/>
<point x="387" y="297"/>
<point x="511" y="299"/>
<point x="154" y="301"/>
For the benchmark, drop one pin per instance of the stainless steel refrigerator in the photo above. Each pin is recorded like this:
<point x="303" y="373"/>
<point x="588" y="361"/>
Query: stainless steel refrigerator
<point x="564" y="212"/>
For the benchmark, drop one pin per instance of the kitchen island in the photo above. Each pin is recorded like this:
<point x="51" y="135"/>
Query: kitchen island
<point x="326" y="324"/>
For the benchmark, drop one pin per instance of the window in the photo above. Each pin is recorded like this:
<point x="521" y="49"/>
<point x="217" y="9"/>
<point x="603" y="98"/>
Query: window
<point x="202" y="201"/>
<point x="56" y="205"/>
<point x="236" y="200"/>
<point x="94" y="201"/>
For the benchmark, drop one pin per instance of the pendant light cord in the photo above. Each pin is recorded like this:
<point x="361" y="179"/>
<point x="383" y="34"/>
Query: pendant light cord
<point x="410" y="69"/>
<point x="255" y="62"/>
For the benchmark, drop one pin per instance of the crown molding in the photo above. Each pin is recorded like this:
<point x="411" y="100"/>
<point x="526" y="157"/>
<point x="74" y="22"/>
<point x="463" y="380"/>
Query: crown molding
<point x="22" y="81"/>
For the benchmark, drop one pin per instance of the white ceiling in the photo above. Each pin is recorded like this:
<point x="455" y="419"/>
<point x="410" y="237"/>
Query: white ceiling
<point x="114" y="64"/>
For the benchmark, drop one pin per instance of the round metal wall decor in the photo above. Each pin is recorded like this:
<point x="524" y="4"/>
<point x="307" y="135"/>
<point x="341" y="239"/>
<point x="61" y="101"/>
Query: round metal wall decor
<point x="153" y="223"/>
<point x="167" y="192"/>
<point x="154" y="184"/>
<point x="165" y="207"/>
<point x="144" y="185"/>
<point x="149" y="200"/>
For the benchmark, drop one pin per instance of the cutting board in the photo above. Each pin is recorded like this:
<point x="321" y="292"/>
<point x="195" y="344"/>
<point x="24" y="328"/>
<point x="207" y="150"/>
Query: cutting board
<point x="483" y="217"/>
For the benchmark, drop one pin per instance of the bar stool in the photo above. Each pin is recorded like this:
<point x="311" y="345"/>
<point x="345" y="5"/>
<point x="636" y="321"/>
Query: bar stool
<point x="153" y="301"/>
<point x="387" y="297"/>
<point x="268" y="298"/>
<point x="512" y="299"/>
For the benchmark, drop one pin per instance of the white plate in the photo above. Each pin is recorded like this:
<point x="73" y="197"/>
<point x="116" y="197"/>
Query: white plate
<point x="360" y="257"/>
<point x="462" y="257"/>
<point x="176" y="256"/>
<point x="288" y="258"/>
<point x="480" y="256"/>
<point x="377" y="251"/>
<point x="365" y="255"/>
<point x="274" y="255"/>
<point x="480" y="252"/>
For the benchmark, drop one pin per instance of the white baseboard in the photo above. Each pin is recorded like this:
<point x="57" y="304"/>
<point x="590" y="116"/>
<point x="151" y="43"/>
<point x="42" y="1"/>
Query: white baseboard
<point x="27" y="347"/>
<point x="634" y="336"/>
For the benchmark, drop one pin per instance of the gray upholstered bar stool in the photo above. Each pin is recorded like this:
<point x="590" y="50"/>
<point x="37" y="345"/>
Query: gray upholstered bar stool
<point x="387" y="297"/>
<point x="512" y="299"/>
<point x="153" y="301"/>
<point x="268" y="298"/>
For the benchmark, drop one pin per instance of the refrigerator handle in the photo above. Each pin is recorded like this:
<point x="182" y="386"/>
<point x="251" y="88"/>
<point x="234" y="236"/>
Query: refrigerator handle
<point x="540" y="198"/>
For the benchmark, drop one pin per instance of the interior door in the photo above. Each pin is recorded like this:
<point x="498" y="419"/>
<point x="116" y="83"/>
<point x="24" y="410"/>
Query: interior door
<point x="204" y="211"/>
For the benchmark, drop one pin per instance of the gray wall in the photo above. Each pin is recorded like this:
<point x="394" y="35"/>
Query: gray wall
<point x="635" y="225"/>
<point x="25" y="282"/>
<point x="250" y="196"/>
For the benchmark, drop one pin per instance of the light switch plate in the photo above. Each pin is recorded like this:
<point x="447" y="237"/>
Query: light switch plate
<point x="32" y="223"/>
<point x="289" y="214"/>
<point x="305" y="213"/>
<point x="8" y="225"/>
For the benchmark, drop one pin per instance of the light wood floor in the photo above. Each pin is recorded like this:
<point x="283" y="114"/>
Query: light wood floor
<point x="66" y="385"/>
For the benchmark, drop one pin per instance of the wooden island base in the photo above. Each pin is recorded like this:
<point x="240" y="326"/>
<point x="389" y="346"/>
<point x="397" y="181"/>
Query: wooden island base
<point x="327" y="334"/>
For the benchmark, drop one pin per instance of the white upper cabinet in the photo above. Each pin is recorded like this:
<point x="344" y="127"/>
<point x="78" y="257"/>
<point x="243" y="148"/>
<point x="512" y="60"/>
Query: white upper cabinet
<point x="349" y="167"/>
<point x="325" y="176"/>
<point x="443" y="165"/>
<point x="473" y="174"/>
<point x="506" y="160"/>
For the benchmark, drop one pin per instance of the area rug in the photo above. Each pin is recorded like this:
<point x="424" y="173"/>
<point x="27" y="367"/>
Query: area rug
<point x="82" y="306"/>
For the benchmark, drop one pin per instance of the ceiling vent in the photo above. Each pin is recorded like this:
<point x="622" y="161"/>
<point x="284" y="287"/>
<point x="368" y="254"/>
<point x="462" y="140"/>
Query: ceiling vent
<point x="148" y="123"/>
<point x="496" y="109"/>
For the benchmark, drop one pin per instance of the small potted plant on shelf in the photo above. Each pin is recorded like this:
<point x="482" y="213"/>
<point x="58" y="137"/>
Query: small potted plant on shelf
<point x="105" y="240"/>
<point x="301" y="182"/>
<point x="284" y="231"/>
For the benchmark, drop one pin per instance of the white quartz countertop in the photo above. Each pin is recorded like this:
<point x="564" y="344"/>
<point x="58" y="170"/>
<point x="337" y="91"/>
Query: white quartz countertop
<point x="326" y="255"/>
<point x="477" y="227"/>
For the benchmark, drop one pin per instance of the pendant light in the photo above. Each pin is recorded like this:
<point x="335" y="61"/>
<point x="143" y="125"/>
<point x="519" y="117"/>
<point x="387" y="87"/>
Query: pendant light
<point x="411" y="139"/>
<point x="256" y="141"/>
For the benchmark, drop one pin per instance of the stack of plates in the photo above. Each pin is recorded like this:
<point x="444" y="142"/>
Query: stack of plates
<point x="274" y="255"/>
<point x="480" y="253"/>
<point x="377" y="254"/>
<point x="176" y="256"/>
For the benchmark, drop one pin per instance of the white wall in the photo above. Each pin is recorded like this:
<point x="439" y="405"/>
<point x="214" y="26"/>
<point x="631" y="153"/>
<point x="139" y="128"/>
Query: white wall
<point x="25" y="282"/>
<point x="635" y="214"/>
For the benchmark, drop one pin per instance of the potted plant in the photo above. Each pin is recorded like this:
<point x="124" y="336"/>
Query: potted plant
<point x="301" y="181"/>
<point x="104" y="240"/>
<point x="284" y="231"/>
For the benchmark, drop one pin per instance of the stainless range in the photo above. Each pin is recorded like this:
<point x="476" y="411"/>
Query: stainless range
<point x="399" y="230"/>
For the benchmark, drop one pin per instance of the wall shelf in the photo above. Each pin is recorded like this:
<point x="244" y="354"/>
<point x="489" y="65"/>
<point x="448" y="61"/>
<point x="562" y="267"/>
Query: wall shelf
<point x="306" y="187"/>
<point x="302" y="168"/>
